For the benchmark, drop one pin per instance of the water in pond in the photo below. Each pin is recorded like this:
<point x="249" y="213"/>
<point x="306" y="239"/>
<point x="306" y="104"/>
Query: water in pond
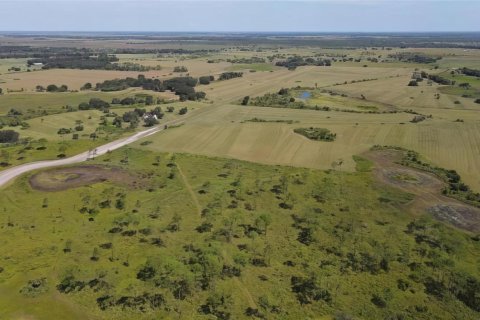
<point x="305" y="95"/>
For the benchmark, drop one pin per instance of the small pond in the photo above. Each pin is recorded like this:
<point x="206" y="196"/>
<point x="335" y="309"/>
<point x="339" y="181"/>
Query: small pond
<point x="305" y="95"/>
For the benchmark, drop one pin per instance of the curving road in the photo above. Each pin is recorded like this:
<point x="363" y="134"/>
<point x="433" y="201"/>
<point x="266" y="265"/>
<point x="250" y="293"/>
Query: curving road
<point x="10" y="174"/>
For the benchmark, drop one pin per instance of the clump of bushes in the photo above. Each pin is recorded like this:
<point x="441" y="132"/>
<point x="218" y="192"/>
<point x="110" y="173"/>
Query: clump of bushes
<point x="318" y="134"/>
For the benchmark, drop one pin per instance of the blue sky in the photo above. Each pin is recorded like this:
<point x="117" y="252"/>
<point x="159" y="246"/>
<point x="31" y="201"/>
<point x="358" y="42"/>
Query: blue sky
<point x="240" y="15"/>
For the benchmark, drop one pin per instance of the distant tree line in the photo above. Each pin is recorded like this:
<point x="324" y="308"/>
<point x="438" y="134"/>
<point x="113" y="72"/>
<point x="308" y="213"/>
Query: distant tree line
<point x="293" y="62"/>
<point x="247" y="60"/>
<point x="414" y="57"/>
<point x="52" y="88"/>
<point x="470" y="72"/>
<point x="230" y="75"/>
<point x="180" y="69"/>
<point x="87" y="60"/>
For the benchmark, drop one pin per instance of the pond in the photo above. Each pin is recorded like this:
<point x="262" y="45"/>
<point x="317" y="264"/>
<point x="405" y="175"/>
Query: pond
<point x="306" y="95"/>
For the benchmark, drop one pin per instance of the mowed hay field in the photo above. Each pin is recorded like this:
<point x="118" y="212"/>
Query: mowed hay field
<point x="220" y="133"/>
<point x="258" y="83"/>
<point x="395" y="91"/>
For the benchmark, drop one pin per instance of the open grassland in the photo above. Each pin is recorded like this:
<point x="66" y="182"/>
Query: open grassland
<point x="6" y="64"/>
<point x="258" y="83"/>
<point x="209" y="236"/>
<point x="395" y="91"/>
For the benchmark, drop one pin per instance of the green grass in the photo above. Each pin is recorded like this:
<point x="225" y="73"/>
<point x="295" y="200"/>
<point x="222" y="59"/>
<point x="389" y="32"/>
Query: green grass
<point x="362" y="164"/>
<point x="473" y="92"/>
<point x="35" y="104"/>
<point x="347" y="215"/>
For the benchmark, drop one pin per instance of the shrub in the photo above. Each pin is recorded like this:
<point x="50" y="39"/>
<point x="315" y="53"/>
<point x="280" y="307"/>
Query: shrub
<point x="8" y="136"/>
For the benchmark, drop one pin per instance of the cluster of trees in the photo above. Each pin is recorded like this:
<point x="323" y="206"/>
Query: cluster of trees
<point x="206" y="79"/>
<point x="230" y="75"/>
<point x="470" y="72"/>
<point x="182" y="86"/>
<point x="94" y="103"/>
<point x="319" y="134"/>
<point x="75" y="61"/>
<point x="414" y="57"/>
<point x="144" y="99"/>
<point x="8" y="136"/>
<point x="282" y="99"/>
<point x="293" y="62"/>
<point x="433" y="77"/>
<point x="247" y="60"/>
<point x="180" y="69"/>
<point x="441" y="80"/>
<point x="133" y="117"/>
<point x="52" y="88"/>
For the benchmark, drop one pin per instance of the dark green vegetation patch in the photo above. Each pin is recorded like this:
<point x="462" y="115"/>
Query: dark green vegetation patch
<point x="319" y="134"/>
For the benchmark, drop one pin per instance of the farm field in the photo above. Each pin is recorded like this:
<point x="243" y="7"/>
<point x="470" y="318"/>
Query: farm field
<point x="286" y="177"/>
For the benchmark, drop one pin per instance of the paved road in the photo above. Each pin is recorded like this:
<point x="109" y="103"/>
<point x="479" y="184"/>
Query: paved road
<point x="10" y="174"/>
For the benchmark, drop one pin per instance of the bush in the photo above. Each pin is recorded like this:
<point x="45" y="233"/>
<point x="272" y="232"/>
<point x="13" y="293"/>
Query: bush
<point x="206" y="79"/>
<point x="413" y="83"/>
<point x="230" y="75"/>
<point x="245" y="100"/>
<point x="8" y="136"/>
<point x="319" y="134"/>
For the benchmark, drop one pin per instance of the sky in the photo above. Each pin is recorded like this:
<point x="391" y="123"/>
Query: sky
<point x="241" y="15"/>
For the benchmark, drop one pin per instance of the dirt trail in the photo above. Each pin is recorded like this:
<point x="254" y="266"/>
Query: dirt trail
<point x="427" y="190"/>
<point x="239" y="283"/>
<point x="190" y="189"/>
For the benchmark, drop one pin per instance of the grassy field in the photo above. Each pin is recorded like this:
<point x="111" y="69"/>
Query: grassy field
<point x="253" y="66"/>
<point x="55" y="102"/>
<point x="233" y="215"/>
<point x="179" y="193"/>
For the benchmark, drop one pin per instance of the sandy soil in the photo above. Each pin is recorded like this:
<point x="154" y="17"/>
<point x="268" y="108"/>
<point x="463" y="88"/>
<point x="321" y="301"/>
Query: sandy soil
<point x="427" y="190"/>
<point x="59" y="179"/>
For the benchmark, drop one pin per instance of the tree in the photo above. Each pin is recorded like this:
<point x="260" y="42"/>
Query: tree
<point x="62" y="148"/>
<point x="95" y="255"/>
<point x="183" y="111"/>
<point x="8" y="136"/>
<point x="263" y="221"/>
<point x="86" y="86"/>
<point x="117" y="122"/>
<point x="150" y="121"/>
<point x="52" y="88"/>
<point x="465" y="85"/>
<point x="206" y="79"/>
<point x="245" y="100"/>
<point x="413" y="83"/>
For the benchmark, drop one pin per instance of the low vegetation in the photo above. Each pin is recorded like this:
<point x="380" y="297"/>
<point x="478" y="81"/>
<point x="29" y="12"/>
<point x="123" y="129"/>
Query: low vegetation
<point x="264" y="242"/>
<point x="318" y="134"/>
